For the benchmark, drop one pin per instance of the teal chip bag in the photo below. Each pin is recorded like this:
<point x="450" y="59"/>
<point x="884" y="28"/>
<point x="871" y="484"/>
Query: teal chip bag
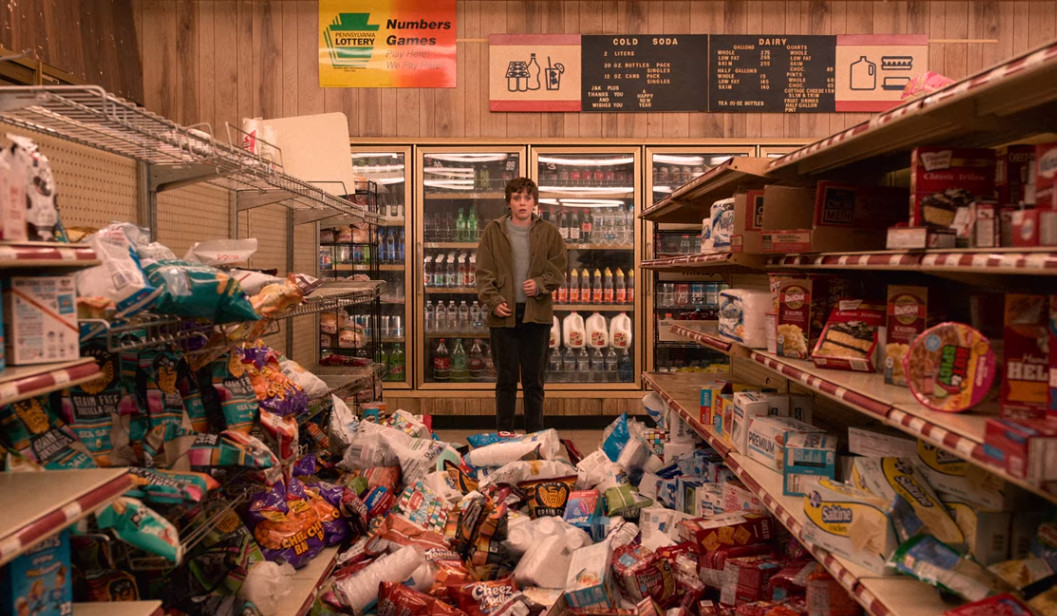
<point x="200" y="291"/>
<point x="33" y="430"/>
<point x="140" y="526"/>
<point x="93" y="409"/>
<point x="235" y="401"/>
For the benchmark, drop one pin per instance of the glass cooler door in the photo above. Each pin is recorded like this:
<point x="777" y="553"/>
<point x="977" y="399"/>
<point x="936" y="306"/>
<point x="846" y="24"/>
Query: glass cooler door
<point x="674" y="297"/>
<point x="591" y="194"/>
<point x="460" y="190"/>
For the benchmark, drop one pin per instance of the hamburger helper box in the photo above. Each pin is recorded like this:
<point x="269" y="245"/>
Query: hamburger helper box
<point x="748" y="222"/>
<point x="1025" y="388"/>
<point x="829" y="217"/>
<point x="1025" y="448"/>
<point x="1046" y="193"/>
<point x="944" y="179"/>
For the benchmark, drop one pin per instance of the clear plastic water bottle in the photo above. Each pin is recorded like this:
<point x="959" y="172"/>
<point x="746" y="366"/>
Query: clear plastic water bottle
<point x="554" y="367"/>
<point x="583" y="362"/>
<point x="464" y="317"/>
<point x="453" y="316"/>
<point x="627" y="229"/>
<point x="624" y="367"/>
<point x="476" y="323"/>
<point x="611" y="360"/>
<point x="568" y="363"/>
<point x="598" y="365"/>
<point x="440" y="319"/>
<point x="431" y="317"/>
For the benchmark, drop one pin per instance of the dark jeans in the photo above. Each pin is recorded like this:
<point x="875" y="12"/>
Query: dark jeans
<point x="520" y="349"/>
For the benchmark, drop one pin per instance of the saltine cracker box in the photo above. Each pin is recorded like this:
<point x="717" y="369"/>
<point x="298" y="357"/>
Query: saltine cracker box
<point x="848" y="522"/>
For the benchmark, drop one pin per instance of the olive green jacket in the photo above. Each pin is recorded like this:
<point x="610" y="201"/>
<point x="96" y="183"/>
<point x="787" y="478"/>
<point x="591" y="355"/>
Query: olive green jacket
<point x="495" y="270"/>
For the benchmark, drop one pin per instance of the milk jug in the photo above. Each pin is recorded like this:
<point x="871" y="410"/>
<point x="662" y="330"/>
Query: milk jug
<point x="620" y="331"/>
<point x="597" y="332"/>
<point x="573" y="331"/>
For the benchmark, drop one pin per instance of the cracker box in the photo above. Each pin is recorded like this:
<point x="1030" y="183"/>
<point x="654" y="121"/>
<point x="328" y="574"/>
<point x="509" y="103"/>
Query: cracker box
<point x="953" y="477"/>
<point x="722" y="411"/>
<point x="804" y="303"/>
<point x="583" y="507"/>
<point x="1025" y="388"/>
<point x="807" y="454"/>
<point x="986" y="532"/>
<point x="710" y="565"/>
<point x="905" y="318"/>
<point x="1025" y="448"/>
<point x="642" y="573"/>
<point x="919" y="238"/>
<point x="849" y="340"/>
<point x="746" y="579"/>
<point x="727" y="529"/>
<point x="881" y="442"/>
<point x="1014" y="168"/>
<point x="747" y="405"/>
<point x="590" y="581"/>
<point x="738" y="498"/>
<point x="39" y="581"/>
<point x="849" y="522"/>
<point x="943" y="179"/>
<point x="892" y="479"/>
<point x="767" y="437"/>
<point x="40" y="319"/>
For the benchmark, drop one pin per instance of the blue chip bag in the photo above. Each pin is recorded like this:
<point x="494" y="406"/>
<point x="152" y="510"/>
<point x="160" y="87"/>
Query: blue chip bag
<point x="200" y="291"/>
<point x="488" y="438"/>
<point x="615" y="436"/>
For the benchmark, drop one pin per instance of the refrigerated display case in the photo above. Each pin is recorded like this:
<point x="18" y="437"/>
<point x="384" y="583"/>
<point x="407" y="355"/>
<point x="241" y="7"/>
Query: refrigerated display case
<point x="383" y="257"/>
<point x="592" y="195"/>
<point x="460" y="190"/>
<point x="675" y="297"/>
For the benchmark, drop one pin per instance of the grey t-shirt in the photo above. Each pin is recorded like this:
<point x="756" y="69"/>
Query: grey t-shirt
<point x="519" y="247"/>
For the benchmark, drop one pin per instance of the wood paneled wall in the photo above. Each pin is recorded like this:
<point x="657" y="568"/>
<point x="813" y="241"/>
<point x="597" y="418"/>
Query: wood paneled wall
<point x="218" y="61"/>
<point x="94" y="40"/>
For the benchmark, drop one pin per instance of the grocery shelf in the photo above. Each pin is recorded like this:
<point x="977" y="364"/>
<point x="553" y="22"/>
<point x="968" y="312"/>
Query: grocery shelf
<point x="599" y="246"/>
<point x="145" y="330"/>
<point x="344" y="380"/>
<point x="724" y="261"/>
<point x="306" y="583"/>
<point x="14" y="255"/>
<point x="999" y="105"/>
<point x="118" y="608"/>
<point x="465" y="195"/>
<point x="453" y="245"/>
<point x="178" y="155"/>
<point x="358" y="267"/>
<point x="38" y="505"/>
<point x="389" y="221"/>
<point x="711" y="339"/>
<point x="483" y="333"/>
<point x="680" y="392"/>
<point x="594" y="307"/>
<point x="451" y="290"/>
<point x="1026" y="261"/>
<point x="21" y="382"/>
<point x="586" y="192"/>
<point x="335" y="295"/>
<point x="692" y="201"/>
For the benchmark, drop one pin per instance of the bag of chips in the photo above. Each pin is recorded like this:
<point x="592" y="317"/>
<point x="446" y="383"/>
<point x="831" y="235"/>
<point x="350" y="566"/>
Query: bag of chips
<point x="119" y="277"/>
<point x="194" y="290"/>
<point x="231" y="398"/>
<point x="31" y="429"/>
<point x="169" y="487"/>
<point x="548" y="497"/>
<point x="139" y="525"/>
<point x="485" y="598"/>
<point x="92" y="409"/>
<point x="274" y="390"/>
<point x="310" y="383"/>
<point x="230" y="448"/>
<point x="286" y="525"/>
<point x="395" y="598"/>
<point x="222" y="560"/>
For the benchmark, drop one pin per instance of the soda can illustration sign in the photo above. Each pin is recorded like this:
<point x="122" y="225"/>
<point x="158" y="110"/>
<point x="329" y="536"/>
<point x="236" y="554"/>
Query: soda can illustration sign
<point x="534" y="72"/>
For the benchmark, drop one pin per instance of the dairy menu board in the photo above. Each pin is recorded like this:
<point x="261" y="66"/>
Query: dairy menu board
<point x="643" y="72"/>
<point x="772" y="73"/>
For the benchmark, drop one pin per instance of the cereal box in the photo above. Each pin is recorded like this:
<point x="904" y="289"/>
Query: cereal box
<point x="40" y="319"/>
<point x="904" y="321"/>
<point x="590" y="582"/>
<point x="728" y="529"/>
<point x="747" y="405"/>
<point x="849" y="340"/>
<point x="39" y="581"/>
<point x="850" y="523"/>
<point x="738" y="498"/>
<point x="944" y="179"/>
<point x="1025" y="388"/>
<point x="1025" y="448"/>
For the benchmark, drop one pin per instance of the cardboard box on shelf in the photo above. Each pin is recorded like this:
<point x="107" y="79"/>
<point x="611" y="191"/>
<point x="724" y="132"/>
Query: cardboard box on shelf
<point x="880" y="442"/>
<point x="748" y="222"/>
<point x="919" y="238"/>
<point x="850" y="523"/>
<point x="747" y="405"/>
<point x="942" y="179"/>
<point x="986" y="531"/>
<point x="767" y="437"/>
<point x="1025" y="227"/>
<point x="39" y="581"/>
<point x="738" y="498"/>
<point x="745" y="579"/>
<point x="40" y="319"/>
<point x="849" y="340"/>
<point x="1025" y="388"/>
<point x="1025" y="448"/>
<point x="807" y="454"/>
<point x="905" y="319"/>
<point x="828" y="217"/>
<point x="1014" y="171"/>
<point x="804" y="304"/>
<point x="857" y="206"/>
<point x="728" y="529"/>
<point x="986" y="232"/>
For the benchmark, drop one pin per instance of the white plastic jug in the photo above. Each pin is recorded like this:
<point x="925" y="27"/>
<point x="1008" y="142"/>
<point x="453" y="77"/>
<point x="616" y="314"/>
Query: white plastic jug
<point x="597" y="332"/>
<point x="573" y="331"/>
<point x="556" y="334"/>
<point x="620" y="331"/>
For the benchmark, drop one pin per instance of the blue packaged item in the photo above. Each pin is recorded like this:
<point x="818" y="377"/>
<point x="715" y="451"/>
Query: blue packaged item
<point x="616" y="437"/>
<point x="489" y="438"/>
<point x="583" y="509"/>
<point x="39" y="581"/>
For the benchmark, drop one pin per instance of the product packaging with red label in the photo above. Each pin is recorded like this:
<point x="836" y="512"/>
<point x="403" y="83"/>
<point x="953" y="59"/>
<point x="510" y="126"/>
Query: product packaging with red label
<point x="945" y="179"/>
<point x="1014" y="167"/>
<point x="905" y="320"/>
<point x="1025" y="388"/>
<point x="1052" y="410"/>
<point x="998" y="605"/>
<point x="1046" y="193"/>
<point x="1025" y="224"/>
<point x="748" y="222"/>
<point x="746" y="579"/>
<point x="643" y="574"/>
<point x="950" y="367"/>
<point x="825" y="595"/>
<point x="849" y="340"/>
<point x="859" y="206"/>
<point x="710" y="565"/>
<point x="1024" y="448"/>
<point x="731" y="529"/>
<point x="804" y="303"/>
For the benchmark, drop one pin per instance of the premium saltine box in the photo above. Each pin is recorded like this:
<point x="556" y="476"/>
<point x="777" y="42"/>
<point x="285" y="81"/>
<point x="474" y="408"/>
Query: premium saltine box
<point x="944" y="179"/>
<point x="905" y="318"/>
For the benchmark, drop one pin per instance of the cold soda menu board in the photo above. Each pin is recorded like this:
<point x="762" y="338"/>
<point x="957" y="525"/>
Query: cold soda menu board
<point x="772" y="73"/>
<point x="643" y="72"/>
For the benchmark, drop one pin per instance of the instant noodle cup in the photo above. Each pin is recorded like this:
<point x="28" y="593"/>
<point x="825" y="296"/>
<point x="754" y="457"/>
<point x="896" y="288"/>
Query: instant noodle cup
<point x="950" y="367"/>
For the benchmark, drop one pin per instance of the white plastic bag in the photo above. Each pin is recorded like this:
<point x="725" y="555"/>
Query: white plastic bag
<point x="574" y="333"/>
<point x="119" y="276"/>
<point x="222" y="252"/>
<point x="312" y="384"/>
<point x="342" y="426"/>
<point x="546" y="563"/>
<point x="361" y="590"/>
<point x="597" y="331"/>
<point x="266" y="584"/>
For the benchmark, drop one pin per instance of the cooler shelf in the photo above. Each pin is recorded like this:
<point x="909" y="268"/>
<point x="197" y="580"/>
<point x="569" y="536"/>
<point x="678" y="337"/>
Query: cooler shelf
<point x="1025" y="261"/>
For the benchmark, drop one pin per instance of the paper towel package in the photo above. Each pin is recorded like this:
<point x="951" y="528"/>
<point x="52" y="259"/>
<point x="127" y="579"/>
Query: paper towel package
<point x="722" y="216"/>
<point x="747" y="404"/>
<point x="742" y="316"/>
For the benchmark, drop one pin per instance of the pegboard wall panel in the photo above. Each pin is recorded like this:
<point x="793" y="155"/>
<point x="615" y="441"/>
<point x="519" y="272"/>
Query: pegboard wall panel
<point x="192" y="214"/>
<point x="94" y="187"/>
<point x="306" y="259"/>
<point x="268" y="225"/>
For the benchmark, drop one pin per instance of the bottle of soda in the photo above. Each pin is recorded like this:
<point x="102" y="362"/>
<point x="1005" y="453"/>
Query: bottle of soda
<point x="563" y="292"/>
<point x="611" y="361"/>
<point x="464" y="271"/>
<point x="460" y="227"/>
<point x="596" y="288"/>
<point x="631" y="286"/>
<point x="607" y="288"/>
<point x="585" y="286"/>
<point x="464" y="317"/>
<point x="471" y="271"/>
<point x="624" y="367"/>
<point x="400" y="247"/>
<point x="397" y="363"/>
<point x="621" y="295"/>
<point x="441" y="363"/>
<point x="460" y="370"/>
<point x="477" y="364"/>
<point x="586" y="226"/>
<point x="451" y="273"/>
<point x="574" y="286"/>
<point x="427" y="270"/>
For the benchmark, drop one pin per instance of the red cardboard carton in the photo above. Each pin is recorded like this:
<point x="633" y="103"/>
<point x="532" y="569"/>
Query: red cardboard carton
<point x="859" y="206"/>
<point x="804" y="303"/>
<point x="1052" y="409"/>
<point x="1025" y="388"/>
<point x="730" y="529"/>
<point x="849" y="340"/>
<point x="943" y="179"/>
<point x="1025" y="448"/>
<point x="747" y="578"/>
<point x="905" y="319"/>
<point x="1014" y="168"/>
